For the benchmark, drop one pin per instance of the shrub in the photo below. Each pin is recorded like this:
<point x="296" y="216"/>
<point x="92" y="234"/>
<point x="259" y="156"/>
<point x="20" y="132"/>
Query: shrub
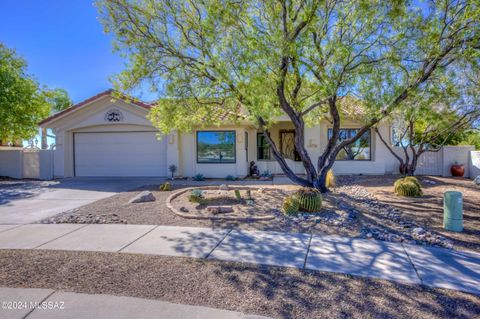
<point x="197" y="192"/>
<point x="237" y="195"/>
<point x="172" y="168"/>
<point x="408" y="187"/>
<point x="198" y="177"/>
<point x="330" y="181"/>
<point x="165" y="187"/>
<point x="230" y="178"/>
<point x="196" y="196"/>
<point x="290" y="206"/>
<point x="266" y="173"/>
<point x="310" y="199"/>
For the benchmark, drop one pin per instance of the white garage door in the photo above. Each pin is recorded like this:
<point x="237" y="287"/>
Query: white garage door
<point x="119" y="154"/>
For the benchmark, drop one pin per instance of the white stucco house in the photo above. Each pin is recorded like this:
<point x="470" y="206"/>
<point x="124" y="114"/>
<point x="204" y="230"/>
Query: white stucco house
<point x="103" y="136"/>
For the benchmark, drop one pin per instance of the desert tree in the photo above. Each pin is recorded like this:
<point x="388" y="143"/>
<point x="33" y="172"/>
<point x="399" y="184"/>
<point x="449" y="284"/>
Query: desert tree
<point x="23" y="101"/>
<point x="301" y="58"/>
<point x="426" y="126"/>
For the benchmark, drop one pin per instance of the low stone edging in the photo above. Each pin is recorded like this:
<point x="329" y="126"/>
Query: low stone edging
<point x="190" y="216"/>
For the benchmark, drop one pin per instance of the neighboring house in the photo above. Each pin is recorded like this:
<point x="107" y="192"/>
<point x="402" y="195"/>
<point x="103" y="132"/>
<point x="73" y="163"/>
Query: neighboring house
<point x="102" y="136"/>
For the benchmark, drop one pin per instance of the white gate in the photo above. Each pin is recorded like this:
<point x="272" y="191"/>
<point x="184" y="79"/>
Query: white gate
<point x="430" y="163"/>
<point x="31" y="163"/>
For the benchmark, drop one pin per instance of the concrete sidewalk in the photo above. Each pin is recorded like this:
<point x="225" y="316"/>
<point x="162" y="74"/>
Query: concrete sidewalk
<point x="51" y="304"/>
<point x="433" y="267"/>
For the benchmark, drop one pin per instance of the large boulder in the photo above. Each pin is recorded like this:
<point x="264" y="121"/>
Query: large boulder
<point x="145" y="196"/>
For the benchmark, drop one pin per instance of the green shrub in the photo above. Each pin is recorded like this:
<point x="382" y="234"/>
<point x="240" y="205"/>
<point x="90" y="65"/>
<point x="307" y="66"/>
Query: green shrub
<point x="198" y="177"/>
<point x="290" y="206"/>
<point x="310" y="199"/>
<point x="237" y="195"/>
<point x="266" y="173"/>
<point x="165" y="187"/>
<point x="330" y="181"/>
<point x="196" y="196"/>
<point x="197" y="192"/>
<point x="408" y="187"/>
<point x="230" y="178"/>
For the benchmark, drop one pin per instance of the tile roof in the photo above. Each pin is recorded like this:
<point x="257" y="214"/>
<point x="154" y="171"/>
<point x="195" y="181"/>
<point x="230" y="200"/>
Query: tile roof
<point x="91" y="99"/>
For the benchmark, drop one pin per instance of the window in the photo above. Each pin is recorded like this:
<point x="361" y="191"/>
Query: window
<point x="216" y="147"/>
<point x="358" y="151"/>
<point x="263" y="148"/>
<point x="287" y="145"/>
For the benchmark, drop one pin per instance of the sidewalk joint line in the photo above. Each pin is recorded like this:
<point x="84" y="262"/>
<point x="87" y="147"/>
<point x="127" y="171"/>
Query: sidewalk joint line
<point x="308" y="251"/>
<point x="36" y="247"/>
<point x="44" y="299"/>
<point x="218" y="244"/>
<point x="148" y="232"/>
<point x="413" y="265"/>
<point x="14" y="226"/>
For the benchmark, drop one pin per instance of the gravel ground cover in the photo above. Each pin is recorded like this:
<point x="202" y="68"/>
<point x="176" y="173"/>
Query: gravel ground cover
<point x="361" y="206"/>
<point x="427" y="211"/>
<point x="270" y="291"/>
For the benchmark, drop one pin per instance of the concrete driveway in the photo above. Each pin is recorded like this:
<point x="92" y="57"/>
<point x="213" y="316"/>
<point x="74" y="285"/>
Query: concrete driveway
<point x="23" y="202"/>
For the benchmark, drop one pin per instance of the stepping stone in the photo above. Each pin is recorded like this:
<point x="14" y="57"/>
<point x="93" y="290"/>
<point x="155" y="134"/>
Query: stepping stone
<point x="175" y="241"/>
<point x="360" y="257"/>
<point x="268" y="248"/>
<point x="33" y="235"/>
<point x="107" y="238"/>
<point x="442" y="268"/>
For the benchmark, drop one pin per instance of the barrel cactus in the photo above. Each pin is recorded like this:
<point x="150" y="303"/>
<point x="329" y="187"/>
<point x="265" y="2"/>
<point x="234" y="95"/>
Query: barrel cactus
<point x="408" y="187"/>
<point x="414" y="180"/>
<point x="310" y="199"/>
<point x="291" y="206"/>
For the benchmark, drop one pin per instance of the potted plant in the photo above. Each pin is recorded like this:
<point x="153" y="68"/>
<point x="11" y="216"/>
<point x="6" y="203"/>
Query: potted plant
<point x="457" y="170"/>
<point x="172" y="168"/>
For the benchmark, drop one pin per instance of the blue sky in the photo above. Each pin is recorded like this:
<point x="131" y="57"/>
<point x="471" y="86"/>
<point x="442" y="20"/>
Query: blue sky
<point x="63" y="43"/>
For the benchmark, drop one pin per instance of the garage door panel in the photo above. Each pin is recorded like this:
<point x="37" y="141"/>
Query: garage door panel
<point x="119" y="154"/>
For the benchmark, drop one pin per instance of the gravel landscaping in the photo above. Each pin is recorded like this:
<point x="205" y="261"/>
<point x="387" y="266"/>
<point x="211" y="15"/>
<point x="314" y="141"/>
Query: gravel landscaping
<point x="270" y="291"/>
<point x="361" y="206"/>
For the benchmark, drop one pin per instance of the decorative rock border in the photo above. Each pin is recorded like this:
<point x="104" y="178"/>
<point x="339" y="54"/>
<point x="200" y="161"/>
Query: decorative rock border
<point x="190" y="216"/>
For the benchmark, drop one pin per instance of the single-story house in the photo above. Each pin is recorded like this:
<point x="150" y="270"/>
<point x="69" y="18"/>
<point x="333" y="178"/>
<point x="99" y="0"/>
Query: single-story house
<point x="103" y="136"/>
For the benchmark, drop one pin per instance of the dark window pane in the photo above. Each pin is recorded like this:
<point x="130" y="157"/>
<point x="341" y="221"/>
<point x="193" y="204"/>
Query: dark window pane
<point x="216" y="146"/>
<point x="360" y="150"/>
<point x="263" y="148"/>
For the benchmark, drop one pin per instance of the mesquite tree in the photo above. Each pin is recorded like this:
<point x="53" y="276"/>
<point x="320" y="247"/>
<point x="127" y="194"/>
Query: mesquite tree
<point x="427" y="121"/>
<point x="302" y="58"/>
<point x="417" y="132"/>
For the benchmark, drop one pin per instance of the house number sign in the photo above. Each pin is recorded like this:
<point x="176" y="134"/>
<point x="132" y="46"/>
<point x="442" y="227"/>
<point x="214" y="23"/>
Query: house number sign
<point x="114" y="115"/>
